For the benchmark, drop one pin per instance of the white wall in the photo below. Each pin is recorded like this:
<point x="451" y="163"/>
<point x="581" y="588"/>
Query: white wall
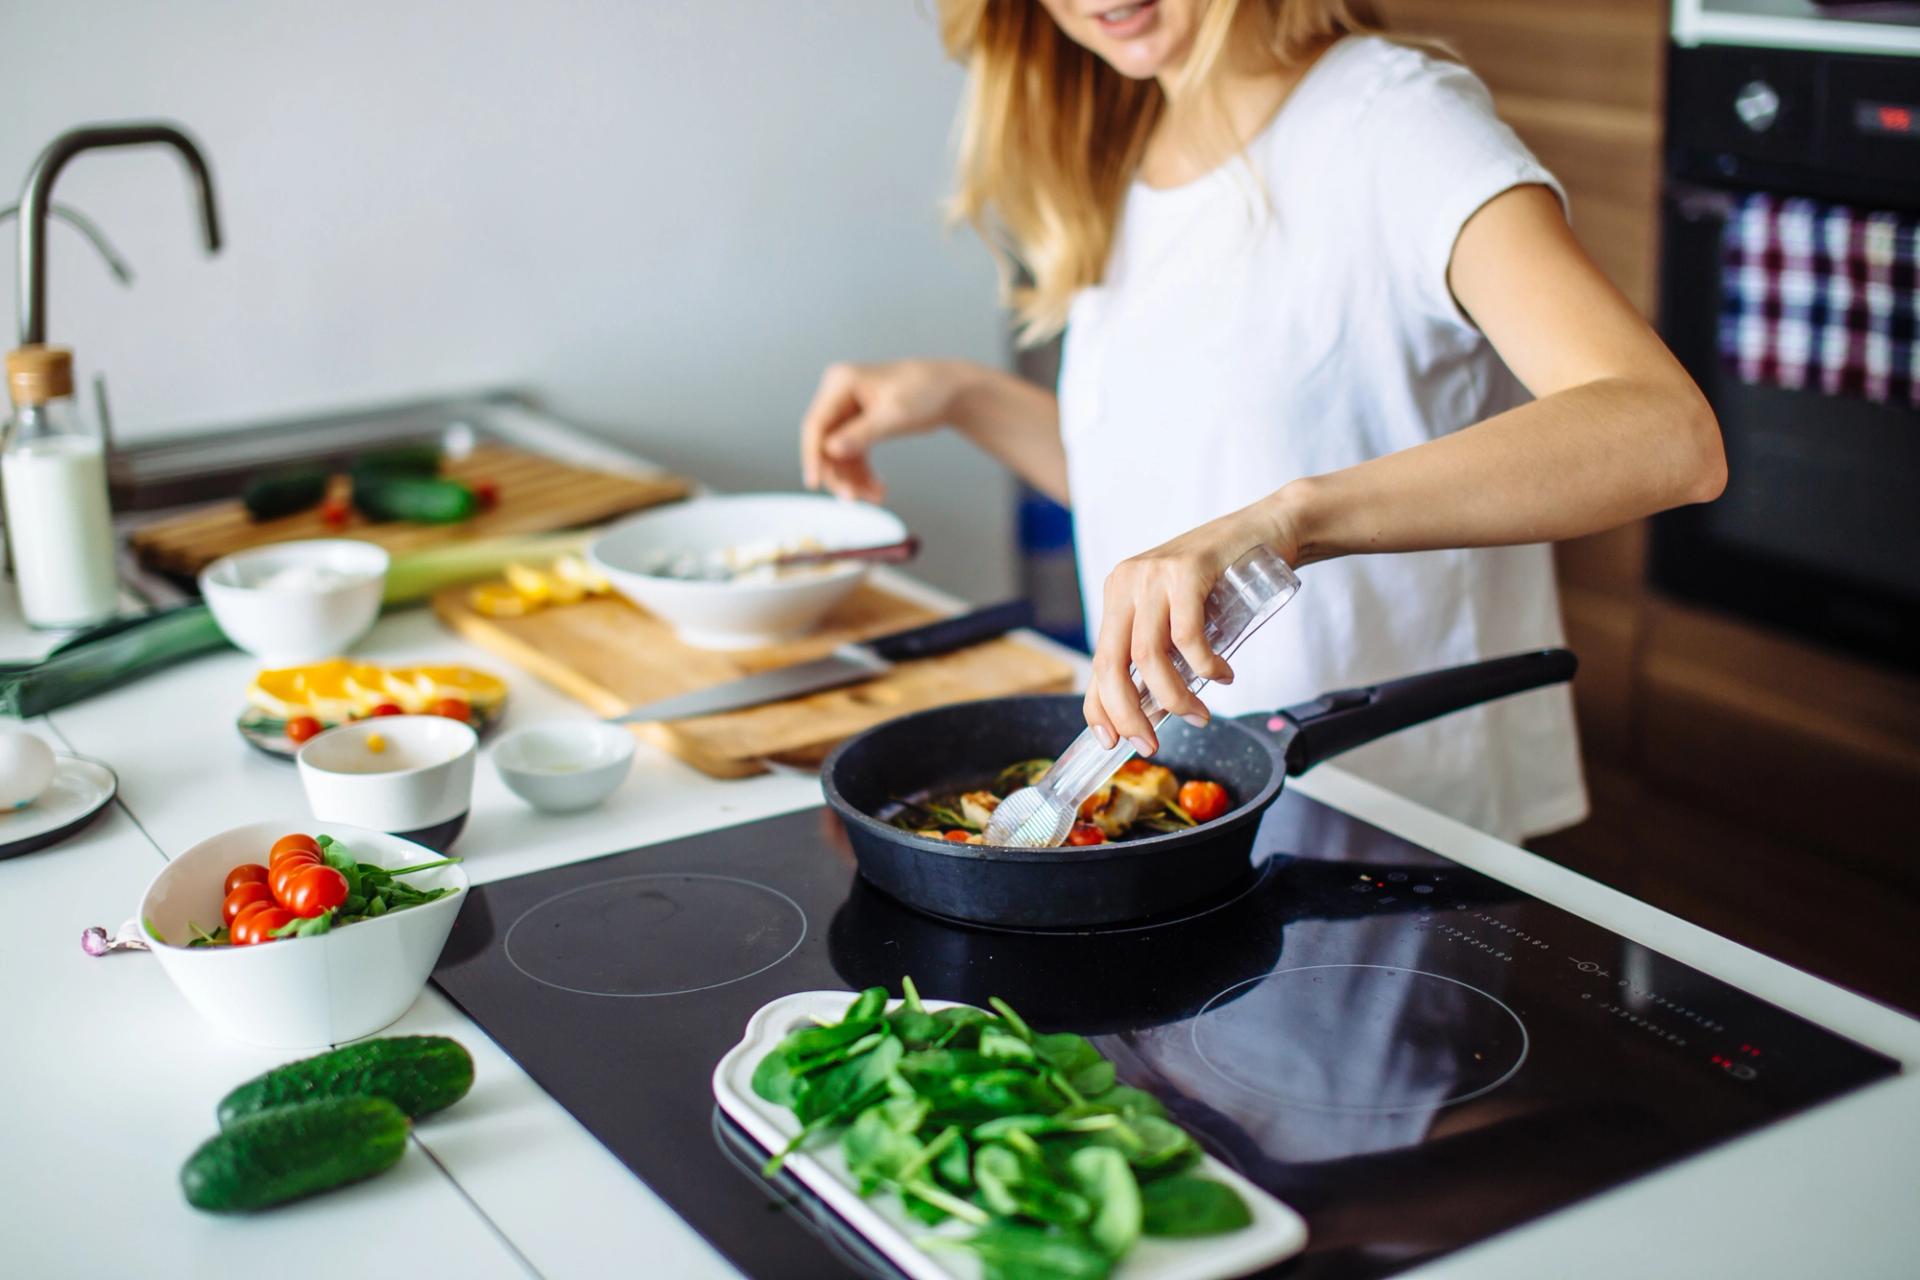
<point x="661" y="216"/>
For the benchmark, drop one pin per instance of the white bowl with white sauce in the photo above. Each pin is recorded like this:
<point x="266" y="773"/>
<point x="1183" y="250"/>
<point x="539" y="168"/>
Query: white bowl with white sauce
<point x="672" y="562"/>
<point x="294" y="602"/>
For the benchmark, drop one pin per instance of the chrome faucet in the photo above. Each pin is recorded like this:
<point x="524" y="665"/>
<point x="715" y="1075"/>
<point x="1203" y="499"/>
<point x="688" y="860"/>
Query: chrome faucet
<point x="36" y="199"/>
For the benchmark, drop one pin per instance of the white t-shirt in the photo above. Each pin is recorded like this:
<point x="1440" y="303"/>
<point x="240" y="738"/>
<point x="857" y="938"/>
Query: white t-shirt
<point x="1288" y="315"/>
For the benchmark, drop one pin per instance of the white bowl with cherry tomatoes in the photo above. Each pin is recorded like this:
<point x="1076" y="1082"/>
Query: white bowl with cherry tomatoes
<point x="318" y="982"/>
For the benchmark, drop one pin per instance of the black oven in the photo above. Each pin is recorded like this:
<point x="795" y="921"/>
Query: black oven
<point x="1819" y="530"/>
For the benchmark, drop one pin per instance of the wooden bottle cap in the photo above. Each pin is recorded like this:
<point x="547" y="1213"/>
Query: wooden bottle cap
<point x="37" y="374"/>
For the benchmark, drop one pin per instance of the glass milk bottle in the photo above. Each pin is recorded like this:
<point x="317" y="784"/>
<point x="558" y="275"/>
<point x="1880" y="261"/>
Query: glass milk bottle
<point x="53" y="473"/>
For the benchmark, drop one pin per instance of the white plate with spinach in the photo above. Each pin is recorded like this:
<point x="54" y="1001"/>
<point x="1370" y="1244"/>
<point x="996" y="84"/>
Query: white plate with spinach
<point x="962" y="1144"/>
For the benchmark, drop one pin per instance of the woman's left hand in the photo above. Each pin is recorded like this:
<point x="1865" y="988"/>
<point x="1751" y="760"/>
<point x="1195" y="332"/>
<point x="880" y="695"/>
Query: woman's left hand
<point x="1156" y="604"/>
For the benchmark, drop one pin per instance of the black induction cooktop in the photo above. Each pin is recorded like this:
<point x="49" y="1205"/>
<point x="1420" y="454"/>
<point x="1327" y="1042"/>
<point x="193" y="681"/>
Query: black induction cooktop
<point x="1413" y="1055"/>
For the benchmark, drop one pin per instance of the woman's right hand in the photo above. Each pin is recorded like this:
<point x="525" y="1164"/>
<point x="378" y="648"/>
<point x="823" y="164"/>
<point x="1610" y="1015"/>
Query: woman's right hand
<point x="858" y="405"/>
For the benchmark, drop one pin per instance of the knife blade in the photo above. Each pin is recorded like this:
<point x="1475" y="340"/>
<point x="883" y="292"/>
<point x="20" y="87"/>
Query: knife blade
<point x="848" y="664"/>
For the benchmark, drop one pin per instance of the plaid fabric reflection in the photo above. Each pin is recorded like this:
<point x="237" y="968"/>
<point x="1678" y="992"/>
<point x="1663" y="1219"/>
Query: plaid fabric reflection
<point x="1822" y="296"/>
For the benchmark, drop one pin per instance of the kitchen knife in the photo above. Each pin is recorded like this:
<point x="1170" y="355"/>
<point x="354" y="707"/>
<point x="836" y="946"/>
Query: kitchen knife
<point x="849" y="664"/>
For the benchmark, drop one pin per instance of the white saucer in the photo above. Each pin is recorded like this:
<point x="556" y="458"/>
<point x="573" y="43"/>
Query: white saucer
<point x="79" y="791"/>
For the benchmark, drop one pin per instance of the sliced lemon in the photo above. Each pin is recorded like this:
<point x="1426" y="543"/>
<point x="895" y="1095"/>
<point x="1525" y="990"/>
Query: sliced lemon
<point x="583" y="575"/>
<point x="328" y="697"/>
<point x="369" y="686"/>
<point x="530" y="582"/>
<point x="281" y="692"/>
<point x="476" y="688"/>
<point x="498" y="600"/>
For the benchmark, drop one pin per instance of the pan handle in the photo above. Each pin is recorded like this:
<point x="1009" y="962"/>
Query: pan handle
<point x="1347" y="718"/>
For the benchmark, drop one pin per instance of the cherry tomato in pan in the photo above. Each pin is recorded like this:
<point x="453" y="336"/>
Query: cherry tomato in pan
<point x="300" y="728"/>
<point x="1203" y="801"/>
<point x="258" y="926"/>
<point x="1086" y="833"/>
<point x="292" y="844"/>
<point x="245" y="873"/>
<point x="957" y="836"/>
<point x="453" y="709"/>
<point x="290" y="868"/>
<point x="316" y="890"/>
<point x="243" y="896"/>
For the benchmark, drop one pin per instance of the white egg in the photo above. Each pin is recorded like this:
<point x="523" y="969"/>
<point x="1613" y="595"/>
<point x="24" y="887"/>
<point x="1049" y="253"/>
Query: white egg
<point x="26" y="767"/>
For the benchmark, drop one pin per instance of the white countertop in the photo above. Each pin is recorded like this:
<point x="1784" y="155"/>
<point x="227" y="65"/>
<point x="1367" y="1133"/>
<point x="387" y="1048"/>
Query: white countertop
<point x="110" y="1079"/>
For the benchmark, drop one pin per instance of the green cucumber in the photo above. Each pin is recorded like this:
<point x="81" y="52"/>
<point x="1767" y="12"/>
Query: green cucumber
<point x="282" y="493"/>
<point x="400" y="460"/>
<point x="418" y="1074"/>
<point x="383" y="496"/>
<point x="294" y="1151"/>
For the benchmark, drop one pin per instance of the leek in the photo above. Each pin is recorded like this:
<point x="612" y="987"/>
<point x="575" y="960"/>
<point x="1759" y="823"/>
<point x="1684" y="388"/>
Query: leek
<point x="109" y="655"/>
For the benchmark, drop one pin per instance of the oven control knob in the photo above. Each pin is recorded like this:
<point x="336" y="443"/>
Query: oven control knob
<point x="1757" y="105"/>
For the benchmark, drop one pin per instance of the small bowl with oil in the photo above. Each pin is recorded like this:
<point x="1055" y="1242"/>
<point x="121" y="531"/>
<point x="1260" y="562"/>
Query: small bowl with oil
<point x="410" y="776"/>
<point x="566" y="765"/>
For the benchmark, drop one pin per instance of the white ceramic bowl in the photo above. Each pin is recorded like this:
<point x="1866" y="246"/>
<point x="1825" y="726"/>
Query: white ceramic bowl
<point x="286" y="622"/>
<point x="298" y="993"/>
<point x="741" y="614"/>
<point x="566" y="765"/>
<point x="418" y="785"/>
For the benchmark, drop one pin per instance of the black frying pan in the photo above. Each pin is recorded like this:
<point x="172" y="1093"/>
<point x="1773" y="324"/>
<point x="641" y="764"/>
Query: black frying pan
<point x="968" y="742"/>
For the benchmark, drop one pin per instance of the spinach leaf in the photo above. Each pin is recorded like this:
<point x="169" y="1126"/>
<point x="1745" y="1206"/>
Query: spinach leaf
<point x="1008" y="1251"/>
<point x="995" y="1043"/>
<point x="1065" y="1050"/>
<point x="1013" y="1188"/>
<point x="1102" y="1175"/>
<point x="834" y="1088"/>
<point x="1186" y="1205"/>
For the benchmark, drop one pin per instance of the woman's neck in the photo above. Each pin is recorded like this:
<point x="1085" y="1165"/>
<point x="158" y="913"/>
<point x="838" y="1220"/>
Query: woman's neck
<point x="1202" y="129"/>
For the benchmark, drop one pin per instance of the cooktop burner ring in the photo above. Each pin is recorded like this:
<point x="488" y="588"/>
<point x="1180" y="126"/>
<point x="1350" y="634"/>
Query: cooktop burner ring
<point x="1473" y="1079"/>
<point x="676" y="950"/>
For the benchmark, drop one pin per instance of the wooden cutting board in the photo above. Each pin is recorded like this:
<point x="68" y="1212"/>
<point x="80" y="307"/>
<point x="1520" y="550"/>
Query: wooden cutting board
<point x="537" y="495"/>
<point x="612" y="656"/>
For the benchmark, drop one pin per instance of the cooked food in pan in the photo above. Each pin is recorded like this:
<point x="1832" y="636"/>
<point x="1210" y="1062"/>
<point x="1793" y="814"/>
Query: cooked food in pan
<point x="1144" y="799"/>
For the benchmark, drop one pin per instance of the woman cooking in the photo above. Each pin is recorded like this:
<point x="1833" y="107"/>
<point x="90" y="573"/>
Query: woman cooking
<point x="1308" y="280"/>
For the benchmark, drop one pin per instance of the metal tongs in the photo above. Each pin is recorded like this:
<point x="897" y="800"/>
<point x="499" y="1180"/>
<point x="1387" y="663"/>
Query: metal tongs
<point x="1253" y="589"/>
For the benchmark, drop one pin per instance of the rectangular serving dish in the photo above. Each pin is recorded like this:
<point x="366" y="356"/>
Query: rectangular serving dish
<point x="1276" y="1233"/>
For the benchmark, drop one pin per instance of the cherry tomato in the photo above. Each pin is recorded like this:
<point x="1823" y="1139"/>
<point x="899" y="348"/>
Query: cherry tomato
<point x="453" y="709"/>
<point x="258" y="926"/>
<point x="387" y="709"/>
<point x="316" y="890"/>
<point x="245" y="873"/>
<point x="236" y="928"/>
<point x="242" y="896"/>
<point x="334" y="513"/>
<point x="957" y="836"/>
<point x="286" y="871"/>
<point x="1086" y="833"/>
<point x="291" y="844"/>
<point x="486" y="493"/>
<point x="1135" y="767"/>
<point x="1203" y="801"/>
<point x="300" y="728"/>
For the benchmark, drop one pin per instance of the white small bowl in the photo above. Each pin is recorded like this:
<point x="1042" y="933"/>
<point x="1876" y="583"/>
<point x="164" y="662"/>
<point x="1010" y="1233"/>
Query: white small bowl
<point x="298" y="993"/>
<point x="564" y="766"/>
<point x="741" y="614"/>
<point x="292" y="623"/>
<point x="419" y="785"/>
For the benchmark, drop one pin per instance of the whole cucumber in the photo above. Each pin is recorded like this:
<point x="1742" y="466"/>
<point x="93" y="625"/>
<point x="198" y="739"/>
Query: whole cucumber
<point x="294" y="1151"/>
<point x="379" y="496"/>
<point x="401" y="459"/>
<point x="282" y="493"/>
<point x="418" y="1074"/>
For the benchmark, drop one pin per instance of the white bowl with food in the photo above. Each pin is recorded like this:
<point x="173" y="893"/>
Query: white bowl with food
<point x="291" y="602"/>
<point x="409" y="776"/>
<point x="303" y="991"/>
<point x="700" y="566"/>
<point x="564" y="766"/>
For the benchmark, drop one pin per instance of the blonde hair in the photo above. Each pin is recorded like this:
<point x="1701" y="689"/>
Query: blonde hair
<point x="1051" y="135"/>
